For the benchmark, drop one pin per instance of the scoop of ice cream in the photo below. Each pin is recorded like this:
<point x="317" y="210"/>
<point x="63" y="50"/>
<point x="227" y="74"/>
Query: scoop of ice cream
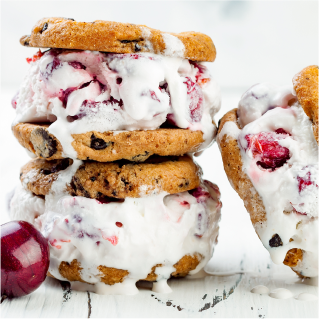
<point x="261" y="98"/>
<point x="24" y="205"/>
<point x="86" y="90"/>
<point x="133" y="235"/>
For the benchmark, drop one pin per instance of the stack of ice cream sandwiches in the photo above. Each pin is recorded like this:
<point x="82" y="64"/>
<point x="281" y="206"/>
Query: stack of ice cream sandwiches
<point x="112" y="113"/>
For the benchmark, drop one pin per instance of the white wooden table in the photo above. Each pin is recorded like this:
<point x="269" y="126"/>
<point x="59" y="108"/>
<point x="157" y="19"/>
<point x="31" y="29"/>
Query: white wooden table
<point x="239" y="253"/>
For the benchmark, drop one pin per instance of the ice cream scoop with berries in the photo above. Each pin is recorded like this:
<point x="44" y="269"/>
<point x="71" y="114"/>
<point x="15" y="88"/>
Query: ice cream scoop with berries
<point x="269" y="146"/>
<point x="161" y="84"/>
<point x="111" y="110"/>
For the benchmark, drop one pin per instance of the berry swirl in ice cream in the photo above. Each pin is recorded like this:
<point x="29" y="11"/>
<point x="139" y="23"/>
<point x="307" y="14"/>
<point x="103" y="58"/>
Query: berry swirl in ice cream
<point x="274" y="168"/>
<point x="83" y="91"/>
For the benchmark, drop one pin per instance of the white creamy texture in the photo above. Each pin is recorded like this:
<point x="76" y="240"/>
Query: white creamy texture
<point x="260" y="289"/>
<point x="306" y="297"/>
<point x="134" y="235"/>
<point x="281" y="293"/>
<point x="88" y="90"/>
<point x="260" y="98"/>
<point x="174" y="46"/>
<point x="289" y="192"/>
<point x="24" y="205"/>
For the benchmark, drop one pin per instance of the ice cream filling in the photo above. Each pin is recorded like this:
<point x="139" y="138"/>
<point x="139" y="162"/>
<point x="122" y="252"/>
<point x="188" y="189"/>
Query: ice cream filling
<point x="82" y="91"/>
<point x="133" y="235"/>
<point x="280" y="156"/>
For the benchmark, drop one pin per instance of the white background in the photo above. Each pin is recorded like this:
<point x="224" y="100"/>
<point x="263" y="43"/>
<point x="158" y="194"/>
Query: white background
<point x="256" y="41"/>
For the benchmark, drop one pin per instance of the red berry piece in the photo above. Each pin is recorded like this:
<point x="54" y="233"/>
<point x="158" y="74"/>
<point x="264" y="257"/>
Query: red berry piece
<point x="14" y="100"/>
<point x="152" y="95"/>
<point x="119" y="224"/>
<point x="269" y="153"/>
<point x="77" y="65"/>
<point x="54" y="65"/>
<point x="281" y="131"/>
<point x="25" y="259"/>
<point x="184" y="203"/>
<point x="200" y="70"/>
<point x="195" y="96"/>
<point x="200" y="194"/>
<point x="64" y="95"/>
<point x="305" y="181"/>
<point x="35" y="57"/>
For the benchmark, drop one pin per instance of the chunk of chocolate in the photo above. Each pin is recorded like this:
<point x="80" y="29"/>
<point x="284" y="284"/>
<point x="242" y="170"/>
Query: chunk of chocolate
<point x="275" y="241"/>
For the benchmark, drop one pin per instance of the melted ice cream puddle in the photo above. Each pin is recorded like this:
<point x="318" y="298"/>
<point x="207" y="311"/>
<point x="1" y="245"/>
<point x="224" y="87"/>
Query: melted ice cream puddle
<point x="306" y="297"/>
<point x="260" y="289"/>
<point x="281" y="293"/>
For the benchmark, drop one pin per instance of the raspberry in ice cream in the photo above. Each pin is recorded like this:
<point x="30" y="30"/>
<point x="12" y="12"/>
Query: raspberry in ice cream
<point x="270" y="155"/>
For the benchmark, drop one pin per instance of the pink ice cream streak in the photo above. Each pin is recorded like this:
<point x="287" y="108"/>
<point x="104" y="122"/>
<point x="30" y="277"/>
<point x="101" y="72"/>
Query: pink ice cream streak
<point x="81" y="91"/>
<point x="280" y="156"/>
<point x="133" y="235"/>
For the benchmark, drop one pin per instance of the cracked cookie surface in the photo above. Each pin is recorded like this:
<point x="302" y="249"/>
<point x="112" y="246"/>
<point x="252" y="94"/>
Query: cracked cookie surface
<point x="108" y="36"/>
<point x="115" y="180"/>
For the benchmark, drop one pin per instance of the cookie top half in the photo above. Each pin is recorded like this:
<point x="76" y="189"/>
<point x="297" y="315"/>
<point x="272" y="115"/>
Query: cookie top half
<point x="116" y="37"/>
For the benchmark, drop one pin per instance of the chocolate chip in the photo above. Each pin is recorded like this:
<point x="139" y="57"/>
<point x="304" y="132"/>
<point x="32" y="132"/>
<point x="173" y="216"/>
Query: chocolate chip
<point x="127" y="184"/>
<point x="45" y="26"/>
<point x="98" y="143"/>
<point x="44" y="145"/>
<point x="26" y="43"/>
<point x="78" y="187"/>
<point x="58" y="165"/>
<point x="92" y="178"/>
<point x="275" y="241"/>
<point x="72" y="19"/>
<point x="114" y="193"/>
<point x="126" y="41"/>
<point x="184" y="184"/>
<point x="137" y="47"/>
<point x="141" y="157"/>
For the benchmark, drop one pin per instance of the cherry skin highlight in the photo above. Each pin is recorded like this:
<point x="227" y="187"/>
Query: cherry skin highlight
<point x="25" y="259"/>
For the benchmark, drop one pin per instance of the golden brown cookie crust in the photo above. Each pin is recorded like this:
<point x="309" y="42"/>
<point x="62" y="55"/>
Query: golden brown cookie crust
<point x="306" y="87"/>
<point x="117" y="179"/>
<point x="110" y="276"/>
<point x="242" y="184"/>
<point x="135" y="146"/>
<point x="115" y="37"/>
<point x="234" y="170"/>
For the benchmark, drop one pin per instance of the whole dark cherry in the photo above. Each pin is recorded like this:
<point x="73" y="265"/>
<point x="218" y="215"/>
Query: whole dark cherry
<point x="25" y="258"/>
